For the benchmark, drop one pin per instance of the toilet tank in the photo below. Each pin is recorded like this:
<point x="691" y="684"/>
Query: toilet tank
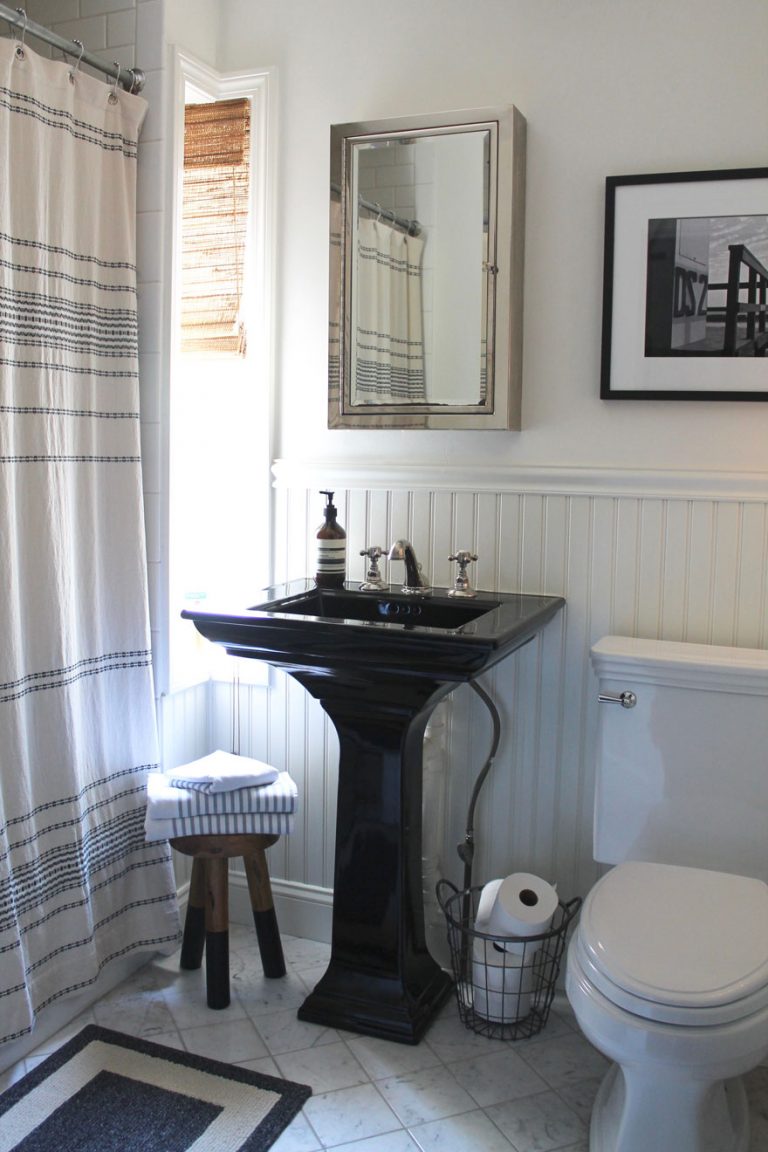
<point x="682" y="777"/>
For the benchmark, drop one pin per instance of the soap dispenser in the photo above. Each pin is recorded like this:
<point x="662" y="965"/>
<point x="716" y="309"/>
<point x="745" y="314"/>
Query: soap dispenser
<point x="331" y="549"/>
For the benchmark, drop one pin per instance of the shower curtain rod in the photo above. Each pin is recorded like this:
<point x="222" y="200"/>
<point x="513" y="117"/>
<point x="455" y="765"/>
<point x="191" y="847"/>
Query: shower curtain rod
<point x="132" y="79"/>
<point x="411" y="226"/>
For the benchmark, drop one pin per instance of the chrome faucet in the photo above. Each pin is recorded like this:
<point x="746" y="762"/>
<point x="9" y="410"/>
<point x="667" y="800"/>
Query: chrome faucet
<point x="415" y="581"/>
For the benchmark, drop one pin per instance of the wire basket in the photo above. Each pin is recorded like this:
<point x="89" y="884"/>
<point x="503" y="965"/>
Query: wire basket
<point x="504" y="984"/>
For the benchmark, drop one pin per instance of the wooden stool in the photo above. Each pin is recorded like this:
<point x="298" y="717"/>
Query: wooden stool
<point x="206" y="926"/>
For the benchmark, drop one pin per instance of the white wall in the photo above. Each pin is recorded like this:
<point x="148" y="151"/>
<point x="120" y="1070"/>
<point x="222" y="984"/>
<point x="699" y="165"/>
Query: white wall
<point x="585" y="501"/>
<point x="588" y="500"/>
<point x="651" y="518"/>
<point x="194" y="25"/>
<point x="607" y="87"/>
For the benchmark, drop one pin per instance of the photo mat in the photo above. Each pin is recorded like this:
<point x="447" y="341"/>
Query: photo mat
<point x="685" y="294"/>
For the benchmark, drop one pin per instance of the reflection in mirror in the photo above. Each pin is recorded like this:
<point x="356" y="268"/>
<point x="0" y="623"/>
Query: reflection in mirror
<point x="426" y="268"/>
<point x="421" y="264"/>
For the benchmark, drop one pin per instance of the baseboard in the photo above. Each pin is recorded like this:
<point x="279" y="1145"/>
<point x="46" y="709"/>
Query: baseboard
<point x="303" y="910"/>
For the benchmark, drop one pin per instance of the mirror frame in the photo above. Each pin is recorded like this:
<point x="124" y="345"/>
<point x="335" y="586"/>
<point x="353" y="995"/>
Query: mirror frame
<point x="505" y="283"/>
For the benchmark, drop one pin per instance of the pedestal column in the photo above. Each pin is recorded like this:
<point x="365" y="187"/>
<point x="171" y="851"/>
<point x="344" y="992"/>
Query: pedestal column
<point x="381" y="979"/>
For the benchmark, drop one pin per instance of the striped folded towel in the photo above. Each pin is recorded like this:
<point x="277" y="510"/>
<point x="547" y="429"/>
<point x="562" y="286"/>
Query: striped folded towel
<point x="221" y="772"/>
<point x="226" y="824"/>
<point x="172" y="811"/>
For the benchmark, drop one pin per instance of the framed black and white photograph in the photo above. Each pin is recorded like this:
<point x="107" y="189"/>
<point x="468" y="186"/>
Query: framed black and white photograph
<point x="685" y="290"/>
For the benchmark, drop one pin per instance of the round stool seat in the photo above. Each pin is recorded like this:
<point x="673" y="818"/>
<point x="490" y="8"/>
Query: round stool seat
<point x="677" y="945"/>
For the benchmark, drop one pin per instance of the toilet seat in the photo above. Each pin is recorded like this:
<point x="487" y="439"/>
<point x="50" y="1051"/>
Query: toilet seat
<point x="677" y="945"/>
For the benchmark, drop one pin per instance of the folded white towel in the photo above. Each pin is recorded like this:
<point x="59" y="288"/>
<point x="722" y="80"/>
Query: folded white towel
<point x="171" y="812"/>
<point x="221" y="772"/>
<point x="166" y="802"/>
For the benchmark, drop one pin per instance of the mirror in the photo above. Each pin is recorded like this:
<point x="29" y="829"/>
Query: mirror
<point x="426" y="267"/>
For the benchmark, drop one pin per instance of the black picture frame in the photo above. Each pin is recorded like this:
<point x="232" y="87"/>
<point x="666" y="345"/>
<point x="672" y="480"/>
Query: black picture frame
<point x="685" y="286"/>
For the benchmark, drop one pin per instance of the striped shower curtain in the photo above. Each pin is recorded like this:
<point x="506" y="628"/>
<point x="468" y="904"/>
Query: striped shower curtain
<point x="334" y="302"/>
<point x="79" y="887"/>
<point x="388" y="349"/>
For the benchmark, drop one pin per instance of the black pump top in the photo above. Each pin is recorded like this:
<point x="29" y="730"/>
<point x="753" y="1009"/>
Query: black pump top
<point x="330" y="511"/>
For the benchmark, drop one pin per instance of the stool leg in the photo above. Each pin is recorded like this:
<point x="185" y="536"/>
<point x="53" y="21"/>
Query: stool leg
<point x="217" y="933"/>
<point x="264" y="916"/>
<point x="193" y="942"/>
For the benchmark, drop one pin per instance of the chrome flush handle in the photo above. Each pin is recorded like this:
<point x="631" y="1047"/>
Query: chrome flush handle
<point x="626" y="699"/>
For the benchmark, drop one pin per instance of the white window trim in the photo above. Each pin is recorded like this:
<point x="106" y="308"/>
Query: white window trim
<point x="260" y="85"/>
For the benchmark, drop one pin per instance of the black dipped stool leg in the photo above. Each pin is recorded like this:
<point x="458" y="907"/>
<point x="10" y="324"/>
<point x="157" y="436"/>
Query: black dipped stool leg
<point x="264" y="915"/>
<point x="193" y="942"/>
<point x="217" y="934"/>
<point x="206" y="927"/>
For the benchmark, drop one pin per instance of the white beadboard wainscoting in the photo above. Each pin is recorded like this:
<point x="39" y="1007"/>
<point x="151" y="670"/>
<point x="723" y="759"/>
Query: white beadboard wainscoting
<point x="680" y="556"/>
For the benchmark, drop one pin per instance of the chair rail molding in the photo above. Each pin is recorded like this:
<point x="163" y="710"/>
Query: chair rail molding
<point x="539" y="479"/>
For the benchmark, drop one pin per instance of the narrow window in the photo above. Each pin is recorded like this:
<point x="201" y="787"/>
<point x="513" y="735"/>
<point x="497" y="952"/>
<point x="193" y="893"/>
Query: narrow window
<point x="215" y="225"/>
<point x="219" y="531"/>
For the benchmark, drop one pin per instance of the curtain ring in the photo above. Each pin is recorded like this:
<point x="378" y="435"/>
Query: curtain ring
<point x="20" y="44"/>
<point x="76" y="67"/>
<point x="113" y="94"/>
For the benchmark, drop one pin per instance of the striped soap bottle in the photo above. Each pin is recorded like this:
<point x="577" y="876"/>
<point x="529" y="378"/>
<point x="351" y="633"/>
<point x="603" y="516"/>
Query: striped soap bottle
<point x="331" y="549"/>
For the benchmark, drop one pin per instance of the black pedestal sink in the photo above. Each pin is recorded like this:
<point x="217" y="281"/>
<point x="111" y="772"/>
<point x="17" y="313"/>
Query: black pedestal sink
<point x="378" y="662"/>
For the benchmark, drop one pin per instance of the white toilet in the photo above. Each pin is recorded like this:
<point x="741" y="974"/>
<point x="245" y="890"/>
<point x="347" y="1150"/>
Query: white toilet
<point x="667" y="972"/>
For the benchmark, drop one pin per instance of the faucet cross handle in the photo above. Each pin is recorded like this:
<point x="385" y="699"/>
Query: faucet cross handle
<point x="461" y="585"/>
<point x="373" y="580"/>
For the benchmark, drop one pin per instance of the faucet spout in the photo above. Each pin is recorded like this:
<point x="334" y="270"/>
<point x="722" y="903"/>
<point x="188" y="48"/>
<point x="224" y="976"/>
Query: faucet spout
<point x="415" y="580"/>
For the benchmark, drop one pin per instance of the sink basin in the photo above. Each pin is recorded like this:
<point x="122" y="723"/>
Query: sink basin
<point x="378" y="662"/>
<point x="388" y="608"/>
<point x="444" y="637"/>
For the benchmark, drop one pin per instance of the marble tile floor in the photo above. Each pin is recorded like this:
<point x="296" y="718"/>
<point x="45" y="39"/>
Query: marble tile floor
<point x="453" y="1092"/>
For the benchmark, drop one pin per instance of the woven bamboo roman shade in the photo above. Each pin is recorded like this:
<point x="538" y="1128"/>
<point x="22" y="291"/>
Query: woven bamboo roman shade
<point x="214" y="225"/>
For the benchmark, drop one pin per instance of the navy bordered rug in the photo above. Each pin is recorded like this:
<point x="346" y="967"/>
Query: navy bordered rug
<point x="106" y="1092"/>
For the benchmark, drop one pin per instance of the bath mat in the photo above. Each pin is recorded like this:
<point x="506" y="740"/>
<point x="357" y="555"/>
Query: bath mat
<point x="106" y="1092"/>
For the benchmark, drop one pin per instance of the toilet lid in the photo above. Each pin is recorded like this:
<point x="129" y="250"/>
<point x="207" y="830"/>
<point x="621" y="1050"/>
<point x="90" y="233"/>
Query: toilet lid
<point x="675" y="943"/>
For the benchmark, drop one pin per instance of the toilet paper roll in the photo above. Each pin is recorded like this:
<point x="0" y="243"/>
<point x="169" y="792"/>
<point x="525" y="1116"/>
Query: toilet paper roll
<point x="502" y="983"/>
<point x="485" y="905"/>
<point x="524" y="906"/>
